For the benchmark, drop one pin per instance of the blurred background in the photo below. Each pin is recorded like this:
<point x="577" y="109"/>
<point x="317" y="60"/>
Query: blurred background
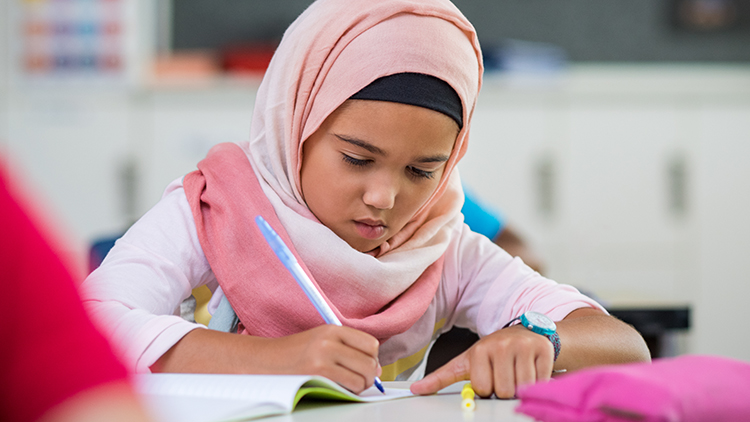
<point x="613" y="136"/>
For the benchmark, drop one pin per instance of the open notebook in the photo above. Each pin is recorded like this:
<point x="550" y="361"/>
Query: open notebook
<point x="231" y="397"/>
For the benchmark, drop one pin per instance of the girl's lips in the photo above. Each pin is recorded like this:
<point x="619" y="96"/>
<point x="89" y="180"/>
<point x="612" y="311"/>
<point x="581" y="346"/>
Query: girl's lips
<point x="369" y="231"/>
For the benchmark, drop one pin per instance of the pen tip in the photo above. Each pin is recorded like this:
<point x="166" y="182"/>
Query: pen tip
<point x="379" y="385"/>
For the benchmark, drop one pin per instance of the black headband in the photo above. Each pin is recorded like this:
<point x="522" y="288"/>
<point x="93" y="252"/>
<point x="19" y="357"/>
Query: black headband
<point x="415" y="89"/>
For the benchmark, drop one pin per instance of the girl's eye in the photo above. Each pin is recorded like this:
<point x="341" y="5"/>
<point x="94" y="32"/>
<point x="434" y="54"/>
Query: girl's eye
<point x="354" y="161"/>
<point x="421" y="174"/>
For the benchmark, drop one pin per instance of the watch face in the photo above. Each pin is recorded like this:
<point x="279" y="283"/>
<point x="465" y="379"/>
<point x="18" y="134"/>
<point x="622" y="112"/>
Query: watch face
<point x="540" y="321"/>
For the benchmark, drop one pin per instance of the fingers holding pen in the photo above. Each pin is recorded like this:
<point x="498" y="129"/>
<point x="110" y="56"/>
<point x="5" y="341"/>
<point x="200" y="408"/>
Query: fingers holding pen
<point x="342" y="354"/>
<point x="358" y="355"/>
<point x="358" y="340"/>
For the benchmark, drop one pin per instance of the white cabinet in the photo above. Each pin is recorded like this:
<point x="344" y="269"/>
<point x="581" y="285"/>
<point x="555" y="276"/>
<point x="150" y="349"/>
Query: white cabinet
<point x="586" y="176"/>
<point x="181" y="125"/>
<point x="723" y="196"/>
<point x="614" y="202"/>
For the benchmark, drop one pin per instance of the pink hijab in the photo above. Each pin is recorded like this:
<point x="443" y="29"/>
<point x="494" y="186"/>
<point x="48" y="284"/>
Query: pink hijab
<point x="334" y="49"/>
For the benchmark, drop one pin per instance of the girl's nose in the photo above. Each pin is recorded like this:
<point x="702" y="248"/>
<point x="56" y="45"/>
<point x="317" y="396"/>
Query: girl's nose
<point x="380" y="193"/>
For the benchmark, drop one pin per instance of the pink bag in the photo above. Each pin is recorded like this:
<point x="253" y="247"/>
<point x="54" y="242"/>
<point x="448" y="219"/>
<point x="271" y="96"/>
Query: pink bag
<point x="687" y="388"/>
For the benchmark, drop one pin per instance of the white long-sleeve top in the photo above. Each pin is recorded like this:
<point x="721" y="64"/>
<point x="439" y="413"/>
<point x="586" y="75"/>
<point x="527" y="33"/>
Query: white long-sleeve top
<point x="135" y="295"/>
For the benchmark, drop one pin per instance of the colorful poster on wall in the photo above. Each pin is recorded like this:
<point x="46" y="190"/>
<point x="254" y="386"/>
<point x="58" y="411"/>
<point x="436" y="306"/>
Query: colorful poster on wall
<point x="80" y="40"/>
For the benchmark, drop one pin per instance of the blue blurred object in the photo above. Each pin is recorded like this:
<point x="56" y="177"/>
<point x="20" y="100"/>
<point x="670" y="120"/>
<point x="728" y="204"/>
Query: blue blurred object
<point x="100" y="249"/>
<point x="524" y="57"/>
<point x="480" y="217"/>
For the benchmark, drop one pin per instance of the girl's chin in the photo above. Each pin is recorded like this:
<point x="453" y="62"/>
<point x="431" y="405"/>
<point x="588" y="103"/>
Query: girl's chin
<point x="369" y="248"/>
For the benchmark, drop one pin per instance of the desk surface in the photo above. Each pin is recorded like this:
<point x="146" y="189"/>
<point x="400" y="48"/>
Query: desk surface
<point x="444" y="407"/>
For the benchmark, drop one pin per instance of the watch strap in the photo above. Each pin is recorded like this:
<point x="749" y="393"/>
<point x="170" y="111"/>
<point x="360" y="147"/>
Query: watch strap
<point x="516" y="319"/>
<point x="555" y="339"/>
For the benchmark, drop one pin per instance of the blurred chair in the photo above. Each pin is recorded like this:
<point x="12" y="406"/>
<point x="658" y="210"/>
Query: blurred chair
<point x="99" y="249"/>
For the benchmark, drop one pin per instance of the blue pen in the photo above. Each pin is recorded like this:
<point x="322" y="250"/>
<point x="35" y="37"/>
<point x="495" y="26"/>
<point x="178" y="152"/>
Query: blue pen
<point x="290" y="262"/>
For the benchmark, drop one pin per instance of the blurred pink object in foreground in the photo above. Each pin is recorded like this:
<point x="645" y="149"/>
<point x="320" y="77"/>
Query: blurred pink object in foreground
<point x="687" y="388"/>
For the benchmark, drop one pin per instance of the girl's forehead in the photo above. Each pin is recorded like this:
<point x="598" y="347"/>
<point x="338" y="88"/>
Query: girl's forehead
<point x="385" y="129"/>
<point x="354" y="113"/>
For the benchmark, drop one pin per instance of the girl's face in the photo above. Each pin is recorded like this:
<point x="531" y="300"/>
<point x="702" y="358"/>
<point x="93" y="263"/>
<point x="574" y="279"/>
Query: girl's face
<point x="371" y="165"/>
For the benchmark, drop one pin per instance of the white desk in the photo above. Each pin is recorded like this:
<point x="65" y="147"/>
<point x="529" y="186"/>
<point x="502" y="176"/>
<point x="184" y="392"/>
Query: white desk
<point x="444" y="407"/>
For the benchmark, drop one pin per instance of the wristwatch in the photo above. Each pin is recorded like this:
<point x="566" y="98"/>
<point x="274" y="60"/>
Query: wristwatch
<point x="540" y="324"/>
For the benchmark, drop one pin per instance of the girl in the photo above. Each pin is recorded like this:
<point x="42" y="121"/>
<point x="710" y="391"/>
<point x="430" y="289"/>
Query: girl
<point x="358" y="126"/>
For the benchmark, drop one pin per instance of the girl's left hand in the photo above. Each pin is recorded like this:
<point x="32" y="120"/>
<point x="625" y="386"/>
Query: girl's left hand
<point x="497" y="363"/>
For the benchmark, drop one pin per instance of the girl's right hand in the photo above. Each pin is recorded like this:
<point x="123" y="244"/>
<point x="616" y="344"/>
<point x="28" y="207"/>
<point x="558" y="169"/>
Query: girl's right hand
<point x="342" y="354"/>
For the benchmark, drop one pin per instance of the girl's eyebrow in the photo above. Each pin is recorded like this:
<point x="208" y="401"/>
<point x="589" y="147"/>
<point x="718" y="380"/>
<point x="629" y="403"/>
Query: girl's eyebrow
<point x="362" y="144"/>
<point x="437" y="158"/>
